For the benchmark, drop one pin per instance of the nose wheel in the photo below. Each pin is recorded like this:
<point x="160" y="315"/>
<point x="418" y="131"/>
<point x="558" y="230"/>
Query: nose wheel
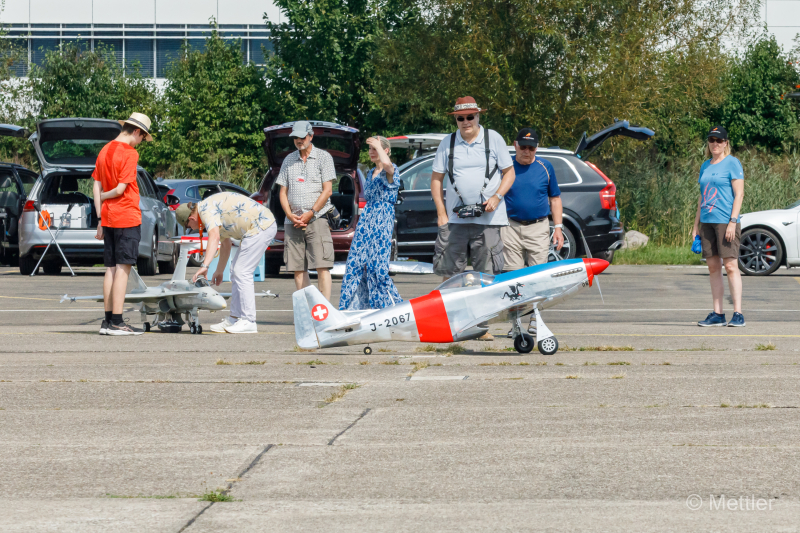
<point x="196" y="329"/>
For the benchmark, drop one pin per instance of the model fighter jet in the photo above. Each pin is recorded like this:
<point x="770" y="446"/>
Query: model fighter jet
<point x="457" y="310"/>
<point x="173" y="298"/>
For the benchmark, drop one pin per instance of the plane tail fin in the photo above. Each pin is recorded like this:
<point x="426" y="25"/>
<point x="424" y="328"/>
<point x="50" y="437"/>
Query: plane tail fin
<point x="183" y="259"/>
<point x="313" y="314"/>
<point x="135" y="283"/>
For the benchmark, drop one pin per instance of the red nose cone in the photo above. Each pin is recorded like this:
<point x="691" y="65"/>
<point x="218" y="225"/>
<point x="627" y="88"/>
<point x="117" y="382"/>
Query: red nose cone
<point x="594" y="267"/>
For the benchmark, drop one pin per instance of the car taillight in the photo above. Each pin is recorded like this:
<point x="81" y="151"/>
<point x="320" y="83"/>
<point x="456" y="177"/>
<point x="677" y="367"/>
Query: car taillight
<point x="28" y="206"/>
<point x="608" y="195"/>
<point x="362" y="204"/>
<point x="260" y="201"/>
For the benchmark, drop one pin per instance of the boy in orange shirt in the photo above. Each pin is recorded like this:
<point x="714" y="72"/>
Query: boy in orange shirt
<point x="116" y="198"/>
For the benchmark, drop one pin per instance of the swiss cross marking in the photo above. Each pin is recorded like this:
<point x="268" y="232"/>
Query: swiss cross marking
<point x="319" y="312"/>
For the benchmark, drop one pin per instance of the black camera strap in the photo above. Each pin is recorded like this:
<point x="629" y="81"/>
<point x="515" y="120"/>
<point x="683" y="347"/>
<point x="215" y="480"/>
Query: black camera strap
<point x="487" y="177"/>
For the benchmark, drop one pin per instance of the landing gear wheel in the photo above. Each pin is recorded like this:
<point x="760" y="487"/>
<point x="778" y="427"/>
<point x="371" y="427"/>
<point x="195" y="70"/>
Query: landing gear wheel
<point x="192" y="329"/>
<point x="367" y="351"/>
<point x="548" y="346"/>
<point x="199" y="329"/>
<point x="523" y="343"/>
<point x="147" y="327"/>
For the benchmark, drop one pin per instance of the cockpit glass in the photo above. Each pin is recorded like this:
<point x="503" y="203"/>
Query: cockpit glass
<point x="467" y="280"/>
<point x="201" y="282"/>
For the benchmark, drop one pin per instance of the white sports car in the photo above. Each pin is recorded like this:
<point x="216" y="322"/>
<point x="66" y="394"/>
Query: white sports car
<point x="770" y="239"/>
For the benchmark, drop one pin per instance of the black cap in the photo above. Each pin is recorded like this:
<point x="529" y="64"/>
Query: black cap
<point x="528" y="137"/>
<point x="719" y="132"/>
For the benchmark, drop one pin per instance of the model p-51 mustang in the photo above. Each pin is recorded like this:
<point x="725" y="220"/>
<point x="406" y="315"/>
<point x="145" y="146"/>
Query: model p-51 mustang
<point x="173" y="298"/>
<point x="459" y="309"/>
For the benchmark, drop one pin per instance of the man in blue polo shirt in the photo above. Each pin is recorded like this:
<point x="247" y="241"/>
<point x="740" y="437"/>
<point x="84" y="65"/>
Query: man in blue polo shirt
<point x="534" y="194"/>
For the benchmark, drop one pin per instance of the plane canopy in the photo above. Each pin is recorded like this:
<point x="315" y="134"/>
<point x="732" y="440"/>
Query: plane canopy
<point x="467" y="280"/>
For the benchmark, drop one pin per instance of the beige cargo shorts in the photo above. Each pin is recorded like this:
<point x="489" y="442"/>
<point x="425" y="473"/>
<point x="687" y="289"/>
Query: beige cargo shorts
<point x="308" y="249"/>
<point x="458" y="244"/>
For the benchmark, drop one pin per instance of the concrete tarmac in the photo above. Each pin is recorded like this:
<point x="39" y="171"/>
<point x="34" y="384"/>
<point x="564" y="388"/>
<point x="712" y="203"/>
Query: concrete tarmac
<point x="641" y="422"/>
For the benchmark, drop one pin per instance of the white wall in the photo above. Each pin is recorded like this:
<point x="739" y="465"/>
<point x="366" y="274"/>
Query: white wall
<point x="783" y="19"/>
<point x="138" y="12"/>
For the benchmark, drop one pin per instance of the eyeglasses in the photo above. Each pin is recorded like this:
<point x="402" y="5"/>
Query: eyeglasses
<point x="527" y="148"/>
<point x="462" y="118"/>
<point x="716" y="140"/>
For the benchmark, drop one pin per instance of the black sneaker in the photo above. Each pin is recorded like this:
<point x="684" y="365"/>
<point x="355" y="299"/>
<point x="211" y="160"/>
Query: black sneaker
<point x="104" y="328"/>
<point x="123" y="329"/>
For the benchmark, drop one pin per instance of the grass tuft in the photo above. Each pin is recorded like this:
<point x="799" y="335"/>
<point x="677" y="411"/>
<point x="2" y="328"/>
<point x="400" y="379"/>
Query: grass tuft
<point x="418" y="365"/>
<point x="364" y="363"/>
<point x="218" y="495"/>
<point x="619" y="363"/>
<point x="299" y="349"/>
<point x="395" y="362"/>
<point x="312" y="362"/>
<point x="385" y="350"/>
<point x="618" y="376"/>
<point x="426" y="348"/>
<point x="754" y="406"/>
<point x="605" y="349"/>
<point x="574" y="376"/>
<point x="340" y="392"/>
<point x="223" y="362"/>
<point x="524" y="363"/>
<point x="587" y="363"/>
<point x="765" y="347"/>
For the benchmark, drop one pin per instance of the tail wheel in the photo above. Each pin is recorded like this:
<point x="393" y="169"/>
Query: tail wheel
<point x="548" y="346"/>
<point x="367" y="350"/>
<point x="524" y="343"/>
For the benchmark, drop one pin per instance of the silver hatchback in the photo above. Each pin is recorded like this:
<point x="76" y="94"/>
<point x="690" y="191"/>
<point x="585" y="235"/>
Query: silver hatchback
<point x="67" y="150"/>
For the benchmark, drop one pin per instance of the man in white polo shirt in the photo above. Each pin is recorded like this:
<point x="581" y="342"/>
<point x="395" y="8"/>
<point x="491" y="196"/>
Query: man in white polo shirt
<point x="478" y="169"/>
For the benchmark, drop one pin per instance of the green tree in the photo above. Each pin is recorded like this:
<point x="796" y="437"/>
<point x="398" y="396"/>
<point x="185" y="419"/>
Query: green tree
<point x="322" y="65"/>
<point x="563" y="66"/>
<point x="217" y="107"/>
<point x="755" y="112"/>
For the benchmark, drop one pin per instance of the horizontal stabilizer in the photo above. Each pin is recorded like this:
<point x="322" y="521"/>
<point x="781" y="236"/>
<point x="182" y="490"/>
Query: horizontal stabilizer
<point x="353" y="323"/>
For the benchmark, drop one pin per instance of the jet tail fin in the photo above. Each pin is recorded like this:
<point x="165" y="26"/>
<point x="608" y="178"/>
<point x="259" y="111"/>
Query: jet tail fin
<point x="135" y="283"/>
<point x="313" y="314"/>
<point x="183" y="259"/>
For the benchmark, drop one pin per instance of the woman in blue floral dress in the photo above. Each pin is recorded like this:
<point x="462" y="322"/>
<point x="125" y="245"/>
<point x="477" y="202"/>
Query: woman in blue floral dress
<point x="367" y="284"/>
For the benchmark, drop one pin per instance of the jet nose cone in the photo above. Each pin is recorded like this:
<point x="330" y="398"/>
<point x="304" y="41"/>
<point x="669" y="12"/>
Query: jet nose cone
<point x="596" y="265"/>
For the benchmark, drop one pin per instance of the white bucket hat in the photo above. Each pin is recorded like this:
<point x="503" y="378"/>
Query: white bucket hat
<point x="141" y="121"/>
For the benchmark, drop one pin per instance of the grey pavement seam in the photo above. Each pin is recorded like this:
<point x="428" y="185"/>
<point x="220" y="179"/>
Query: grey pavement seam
<point x="362" y="415"/>
<point x="242" y="471"/>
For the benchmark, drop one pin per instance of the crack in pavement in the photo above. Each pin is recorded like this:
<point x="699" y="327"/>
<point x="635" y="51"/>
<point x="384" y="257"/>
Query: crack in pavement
<point x="362" y="415"/>
<point x="241" y="472"/>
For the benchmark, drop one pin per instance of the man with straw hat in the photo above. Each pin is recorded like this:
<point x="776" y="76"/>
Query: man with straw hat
<point x="227" y="216"/>
<point x="116" y="199"/>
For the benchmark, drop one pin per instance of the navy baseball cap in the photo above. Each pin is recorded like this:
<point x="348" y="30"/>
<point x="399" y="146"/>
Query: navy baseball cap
<point x="527" y="137"/>
<point x="719" y="132"/>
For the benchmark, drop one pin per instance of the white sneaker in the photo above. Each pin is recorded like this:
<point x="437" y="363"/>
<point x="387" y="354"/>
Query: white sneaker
<point x="242" y="326"/>
<point x="220" y="328"/>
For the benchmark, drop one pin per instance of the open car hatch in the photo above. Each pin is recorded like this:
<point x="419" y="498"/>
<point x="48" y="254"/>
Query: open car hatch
<point x="342" y="142"/>
<point x="71" y="143"/>
<point x="588" y="145"/>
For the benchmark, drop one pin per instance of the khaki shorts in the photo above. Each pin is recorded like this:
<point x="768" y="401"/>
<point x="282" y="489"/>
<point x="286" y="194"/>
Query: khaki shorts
<point x="457" y="244"/>
<point x="308" y="249"/>
<point x="525" y="246"/>
<point x="712" y="237"/>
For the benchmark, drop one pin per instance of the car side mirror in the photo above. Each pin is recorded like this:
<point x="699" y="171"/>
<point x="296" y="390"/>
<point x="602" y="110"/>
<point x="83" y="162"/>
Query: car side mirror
<point x="172" y="200"/>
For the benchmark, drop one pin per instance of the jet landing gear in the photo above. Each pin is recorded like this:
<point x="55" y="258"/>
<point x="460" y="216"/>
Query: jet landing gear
<point x="367" y="350"/>
<point x="524" y="343"/>
<point x="194" y="323"/>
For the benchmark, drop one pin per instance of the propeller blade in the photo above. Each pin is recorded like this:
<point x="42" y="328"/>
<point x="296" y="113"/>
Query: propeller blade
<point x="589" y="255"/>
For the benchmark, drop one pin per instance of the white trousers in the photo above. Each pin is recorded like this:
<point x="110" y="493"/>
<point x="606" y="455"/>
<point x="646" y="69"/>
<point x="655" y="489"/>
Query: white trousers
<point x="251" y="251"/>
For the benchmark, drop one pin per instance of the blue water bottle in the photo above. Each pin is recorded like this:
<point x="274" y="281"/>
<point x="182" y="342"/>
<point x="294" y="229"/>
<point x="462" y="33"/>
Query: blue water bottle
<point x="696" y="246"/>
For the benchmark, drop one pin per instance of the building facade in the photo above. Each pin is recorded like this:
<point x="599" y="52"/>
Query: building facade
<point x="147" y="34"/>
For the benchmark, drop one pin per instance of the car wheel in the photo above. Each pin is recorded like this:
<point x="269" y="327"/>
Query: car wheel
<point x="195" y="260"/>
<point x="168" y="267"/>
<point x="568" y="251"/>
<point x="760" y="252"/>
<point x="26" y="265"/>
<point x="147" y="265"/>
<point x="273" y="267"/>
<point x="52" y="268"/>
<point x="608" y="255"/>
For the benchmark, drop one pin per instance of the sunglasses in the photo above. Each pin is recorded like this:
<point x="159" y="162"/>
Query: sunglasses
<point x="527" y="148"/>
<point x="462" y="118"/>
<point x="716" y="140"/>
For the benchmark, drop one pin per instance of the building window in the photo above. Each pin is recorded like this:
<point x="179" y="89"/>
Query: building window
<point x="39" y="47"/>
<point x="168" y="51"/>
<point x="139" y="55"/>
<point x="110" y="46"/>
<point x="257" y="52"/>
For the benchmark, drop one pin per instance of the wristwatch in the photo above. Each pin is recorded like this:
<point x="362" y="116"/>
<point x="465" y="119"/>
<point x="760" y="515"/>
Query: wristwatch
<point x="736" y="220"/>
<point x="499" y="196"/>
<point x="559" y="226"/>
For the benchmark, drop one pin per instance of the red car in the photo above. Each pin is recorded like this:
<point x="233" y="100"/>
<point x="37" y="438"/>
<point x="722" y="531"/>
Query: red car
<point x="343" y="143"/>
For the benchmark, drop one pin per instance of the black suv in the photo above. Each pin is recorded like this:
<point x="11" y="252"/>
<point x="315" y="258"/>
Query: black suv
<point x="588" y="196"/>
<point x="15" y="183"/>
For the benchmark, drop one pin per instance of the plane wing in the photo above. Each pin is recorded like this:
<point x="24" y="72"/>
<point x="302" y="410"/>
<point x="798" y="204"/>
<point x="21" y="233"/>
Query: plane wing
<point x="262" y="294"/>
<point x="131" y="297"/>
<point x="516" y="307"/>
